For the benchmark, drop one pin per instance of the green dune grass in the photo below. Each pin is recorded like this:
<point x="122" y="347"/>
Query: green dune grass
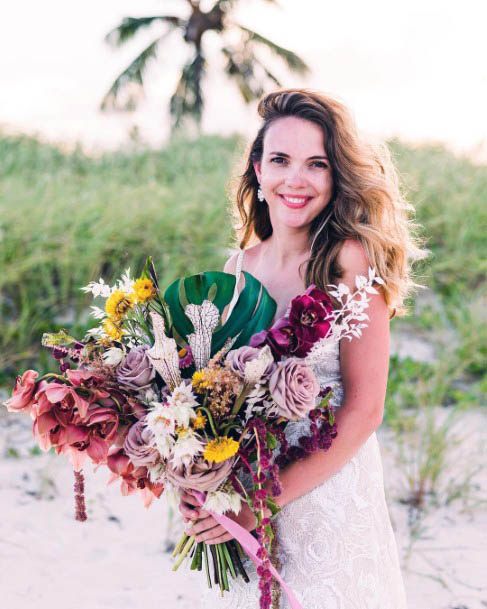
<point x="67" y="219"/>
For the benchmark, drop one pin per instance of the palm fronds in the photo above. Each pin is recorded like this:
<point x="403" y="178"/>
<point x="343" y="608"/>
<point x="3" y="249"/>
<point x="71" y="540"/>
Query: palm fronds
<point x="130" y="26"/>
<point x="132" y="75"/>
<point x="293" y="61"/>
<point x="187" y="98"/>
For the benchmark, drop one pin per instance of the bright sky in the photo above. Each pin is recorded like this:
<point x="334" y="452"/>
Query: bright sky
<point x="413" y="68"/>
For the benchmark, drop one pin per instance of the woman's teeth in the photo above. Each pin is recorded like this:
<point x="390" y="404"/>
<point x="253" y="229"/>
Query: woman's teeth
<point x="295" y="201"/>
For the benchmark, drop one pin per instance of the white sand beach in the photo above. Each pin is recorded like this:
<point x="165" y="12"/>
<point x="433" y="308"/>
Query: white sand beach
<point x="120" y="558"/>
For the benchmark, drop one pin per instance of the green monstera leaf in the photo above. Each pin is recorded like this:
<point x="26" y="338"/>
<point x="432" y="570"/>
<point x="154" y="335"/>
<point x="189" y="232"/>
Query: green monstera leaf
<point x="253" y="312"/>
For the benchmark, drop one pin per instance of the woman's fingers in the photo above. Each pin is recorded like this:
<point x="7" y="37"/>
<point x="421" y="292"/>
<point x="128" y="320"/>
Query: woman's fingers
<point x="222" y="539"/>
<point x="209" y="534"/>
<point x="190" y="499"/>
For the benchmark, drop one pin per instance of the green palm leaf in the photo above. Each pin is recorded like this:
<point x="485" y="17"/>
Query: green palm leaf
<point x="293" y="61"/>
<point x="131" y="25"/>
<point x="187" y="98"/>
<point x="134" y="73"/>
<point x="253" y="312"/>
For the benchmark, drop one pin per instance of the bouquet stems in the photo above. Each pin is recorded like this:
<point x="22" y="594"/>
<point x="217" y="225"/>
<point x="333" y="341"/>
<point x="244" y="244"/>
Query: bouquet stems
<point x="226" y="558"/>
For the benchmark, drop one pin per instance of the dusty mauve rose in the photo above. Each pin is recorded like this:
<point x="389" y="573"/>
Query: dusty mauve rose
<point x="23" y="393"/>
<point x="200" y="475"/>
<point x="136" y="371"/>
<point x="294" y="388"/>
<point x="139" y="445"/>
<point x="308" y="317"/>
<point x="237" y="358"/>
<point x="280" y="338"/>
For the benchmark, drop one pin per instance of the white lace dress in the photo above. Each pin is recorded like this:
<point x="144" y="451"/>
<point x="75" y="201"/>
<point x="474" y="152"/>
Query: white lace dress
<point x="336" y="544"/>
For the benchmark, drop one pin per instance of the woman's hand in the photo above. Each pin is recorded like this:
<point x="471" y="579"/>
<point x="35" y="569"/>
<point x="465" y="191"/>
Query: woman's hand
<point x="205" y="527"/>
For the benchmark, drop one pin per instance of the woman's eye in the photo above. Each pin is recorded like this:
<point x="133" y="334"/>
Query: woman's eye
<point x="278" y="160"/>
<point x="320" y="164"/>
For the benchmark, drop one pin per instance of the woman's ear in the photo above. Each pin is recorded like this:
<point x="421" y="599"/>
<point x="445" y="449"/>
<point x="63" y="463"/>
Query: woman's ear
<point x="257" y="166"/>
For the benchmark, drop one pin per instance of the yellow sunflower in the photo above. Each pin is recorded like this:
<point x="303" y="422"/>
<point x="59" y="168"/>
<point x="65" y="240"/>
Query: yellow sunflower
<point x="118" y="304"/>
<point x="220" y="449"/>
<point x="144" y="290"/>
<point x="113" y="330"/>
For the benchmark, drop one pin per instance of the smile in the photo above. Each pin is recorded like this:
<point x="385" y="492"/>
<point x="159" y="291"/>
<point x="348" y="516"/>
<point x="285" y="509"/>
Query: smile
<point x="295" y="202"/>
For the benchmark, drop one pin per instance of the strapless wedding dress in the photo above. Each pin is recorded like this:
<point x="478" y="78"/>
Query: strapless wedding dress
<point x="336" y="545"/>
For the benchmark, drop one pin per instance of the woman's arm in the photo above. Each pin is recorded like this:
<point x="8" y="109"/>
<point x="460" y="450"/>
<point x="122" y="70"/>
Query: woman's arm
<point x="364" y="366"/>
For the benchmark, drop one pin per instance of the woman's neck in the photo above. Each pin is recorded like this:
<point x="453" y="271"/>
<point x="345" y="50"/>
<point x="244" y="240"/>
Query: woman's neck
<point x="284" y="249"/>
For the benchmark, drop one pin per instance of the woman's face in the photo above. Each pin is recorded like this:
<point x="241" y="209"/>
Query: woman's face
<point x="294" y="173"/>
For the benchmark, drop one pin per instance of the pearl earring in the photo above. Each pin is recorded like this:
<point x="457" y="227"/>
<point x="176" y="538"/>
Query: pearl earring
<point x="260" y="194"/>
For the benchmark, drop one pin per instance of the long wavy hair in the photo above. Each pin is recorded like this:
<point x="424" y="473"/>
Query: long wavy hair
<point x="366" y="205"/>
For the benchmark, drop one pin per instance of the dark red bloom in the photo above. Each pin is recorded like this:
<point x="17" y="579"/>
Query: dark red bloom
<point x="280" y="338"/>
<point x="309" y="319"/>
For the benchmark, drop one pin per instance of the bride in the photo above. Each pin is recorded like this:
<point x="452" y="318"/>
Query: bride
<point x="319" y="205"/>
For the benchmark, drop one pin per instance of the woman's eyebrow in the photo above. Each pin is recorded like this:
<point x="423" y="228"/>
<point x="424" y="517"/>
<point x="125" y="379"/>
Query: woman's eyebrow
<point x="316" y="156"/>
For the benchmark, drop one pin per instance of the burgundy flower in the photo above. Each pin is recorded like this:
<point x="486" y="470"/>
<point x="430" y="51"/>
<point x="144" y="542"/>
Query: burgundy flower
<point x="309" y="318"/>
<point x="280" y="338"/>
<point x="23" y="393"/>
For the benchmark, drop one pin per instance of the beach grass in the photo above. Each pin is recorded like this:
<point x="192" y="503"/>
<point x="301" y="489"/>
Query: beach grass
<point x="67" y="219"/>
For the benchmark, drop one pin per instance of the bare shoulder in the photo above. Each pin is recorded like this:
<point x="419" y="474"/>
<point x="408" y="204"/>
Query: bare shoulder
<point x="250" y="256"/>
<point x="352" y="259"/>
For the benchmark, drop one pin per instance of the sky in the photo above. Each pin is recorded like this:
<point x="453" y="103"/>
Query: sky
<point x="415" y="69"/>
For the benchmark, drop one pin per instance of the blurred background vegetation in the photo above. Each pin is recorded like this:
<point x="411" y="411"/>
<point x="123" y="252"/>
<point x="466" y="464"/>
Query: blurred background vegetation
<point x="67" y="219"/>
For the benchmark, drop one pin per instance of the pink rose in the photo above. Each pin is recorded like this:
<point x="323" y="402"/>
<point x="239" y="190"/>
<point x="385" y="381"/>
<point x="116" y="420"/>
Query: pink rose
<point x="200" y="475"/>
<point x="23" y="393"/>
<point x="139" y="445"/>
<point x="238" y="358"/>
<point x="294" y="388"/>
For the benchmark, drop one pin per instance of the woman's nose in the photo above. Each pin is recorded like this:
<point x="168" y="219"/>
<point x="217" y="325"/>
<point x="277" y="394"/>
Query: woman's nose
<point x="295" y="178"/>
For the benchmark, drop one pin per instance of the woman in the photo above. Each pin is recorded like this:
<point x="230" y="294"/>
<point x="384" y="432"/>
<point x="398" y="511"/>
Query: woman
<point x="314" y="195"/>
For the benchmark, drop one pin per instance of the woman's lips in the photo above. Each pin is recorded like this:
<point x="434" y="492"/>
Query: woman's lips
<point x="294" y="202"/>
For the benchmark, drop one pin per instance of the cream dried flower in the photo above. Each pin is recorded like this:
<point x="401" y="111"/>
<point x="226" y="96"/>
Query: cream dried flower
<point x="205" y="319"/>
<point x="164" y="354"/>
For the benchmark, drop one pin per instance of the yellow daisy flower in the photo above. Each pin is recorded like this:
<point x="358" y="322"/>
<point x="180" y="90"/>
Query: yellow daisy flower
<point x="220" y="449"/>
<point x="118" y="304"/>
<point x="199" y="381"/>
<point x="200" y="421"/>
<point x="144" y="290"/>
<point x="111" y="329"/>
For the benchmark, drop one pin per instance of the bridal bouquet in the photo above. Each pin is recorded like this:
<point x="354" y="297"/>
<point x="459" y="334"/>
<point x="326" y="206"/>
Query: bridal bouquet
<point x="165" y="395"/>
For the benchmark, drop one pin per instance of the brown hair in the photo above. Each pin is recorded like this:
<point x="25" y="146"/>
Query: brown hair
<point x="366" y="204"/>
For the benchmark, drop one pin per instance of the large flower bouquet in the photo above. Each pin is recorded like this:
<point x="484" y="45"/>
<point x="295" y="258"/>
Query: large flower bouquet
<point x="166" y="395"/>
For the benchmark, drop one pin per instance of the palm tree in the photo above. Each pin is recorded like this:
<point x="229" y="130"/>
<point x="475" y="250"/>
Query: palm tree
<point x="242" y="62"/>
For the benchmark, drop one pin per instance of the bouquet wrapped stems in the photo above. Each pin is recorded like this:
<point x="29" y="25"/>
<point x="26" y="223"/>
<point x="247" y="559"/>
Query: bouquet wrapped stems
<point x="226" y="558"/>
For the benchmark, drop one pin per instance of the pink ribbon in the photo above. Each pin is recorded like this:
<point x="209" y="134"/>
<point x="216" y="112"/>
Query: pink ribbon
<point x="250" y="545"/>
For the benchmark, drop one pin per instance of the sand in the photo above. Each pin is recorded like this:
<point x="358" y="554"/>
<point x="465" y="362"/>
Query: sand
<point x="119" y="558"/>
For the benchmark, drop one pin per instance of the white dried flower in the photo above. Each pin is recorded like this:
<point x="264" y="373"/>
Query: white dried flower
<point x="187" y="446"/>
<point x="223" y="501"/>
<point x="254" y="369"/>
<point x="113" y="356"/>
<point x="99" y="288"/>
<point x="205" y="319"/>
<point x="164" y="354"/>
